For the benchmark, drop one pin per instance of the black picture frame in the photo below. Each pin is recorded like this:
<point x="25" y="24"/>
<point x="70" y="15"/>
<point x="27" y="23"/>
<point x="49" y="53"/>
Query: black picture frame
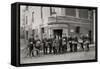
<point x="15" y="34"/>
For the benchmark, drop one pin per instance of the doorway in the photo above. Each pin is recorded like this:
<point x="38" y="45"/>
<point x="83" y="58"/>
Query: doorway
<point x="57" y="32"/>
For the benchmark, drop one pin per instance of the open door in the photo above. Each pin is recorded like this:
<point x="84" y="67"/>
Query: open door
<point x="57" y="32"/>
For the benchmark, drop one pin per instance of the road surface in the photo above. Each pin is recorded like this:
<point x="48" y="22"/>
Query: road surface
<point x="69" y="56"/>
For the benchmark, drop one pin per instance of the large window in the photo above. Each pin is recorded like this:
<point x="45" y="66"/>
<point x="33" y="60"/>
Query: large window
<point x="90" y="15"/>
<point x="70" y="11"/>
<point x="27" y="7"/>
<point x="52" y="11"/>
<point x="83" y="13"/>
<point x="32" y="16"/>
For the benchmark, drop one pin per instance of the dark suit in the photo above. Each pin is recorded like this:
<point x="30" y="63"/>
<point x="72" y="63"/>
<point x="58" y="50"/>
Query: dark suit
<point x="60" y="45"/>
<point x="50" y="46"/>
<point x="75" y="44"/>
<point x="70" y="43"/>
<point x="30" y="46"/>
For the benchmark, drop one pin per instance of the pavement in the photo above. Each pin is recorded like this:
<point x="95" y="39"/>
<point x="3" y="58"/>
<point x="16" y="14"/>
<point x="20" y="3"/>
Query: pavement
<point x="68" y="56"/>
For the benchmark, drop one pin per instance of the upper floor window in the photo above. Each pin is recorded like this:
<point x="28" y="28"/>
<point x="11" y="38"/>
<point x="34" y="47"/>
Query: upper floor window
<point x="26" y="7"/>
<point x="83" y="13"/>
<point x="32" y="16"/>
<point x="70" y="11"/>
<point x="90" y="14"/>
<point x="52" y="11"/>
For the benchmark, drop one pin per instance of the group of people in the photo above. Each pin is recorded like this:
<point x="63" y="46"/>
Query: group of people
<point x="58" y="45"/>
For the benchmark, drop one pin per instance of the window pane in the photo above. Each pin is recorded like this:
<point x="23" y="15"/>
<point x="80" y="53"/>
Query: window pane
<point x="52" y="10"/>
<point x="70" y="11"/>
<point x="83" y="13"/>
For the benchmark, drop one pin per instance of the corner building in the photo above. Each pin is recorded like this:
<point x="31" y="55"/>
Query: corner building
<point x="46" y="22"/>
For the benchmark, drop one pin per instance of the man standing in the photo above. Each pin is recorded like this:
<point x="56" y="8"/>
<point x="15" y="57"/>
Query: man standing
<point x="60" y="45"/>
<point x="75" y="44"/>
<point x="38" y="46"/>
<point x="81" y="43"/>
<point x="43" y="42"/>
<point x="86" y="42"/>
<point x="50" y="45"/>
<point x="64" y="45"/>
<point x="70" y="43"/>
<point x="54" y="46"/>
<point x="46" y="46"/>
<point x="30" y="46"/>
